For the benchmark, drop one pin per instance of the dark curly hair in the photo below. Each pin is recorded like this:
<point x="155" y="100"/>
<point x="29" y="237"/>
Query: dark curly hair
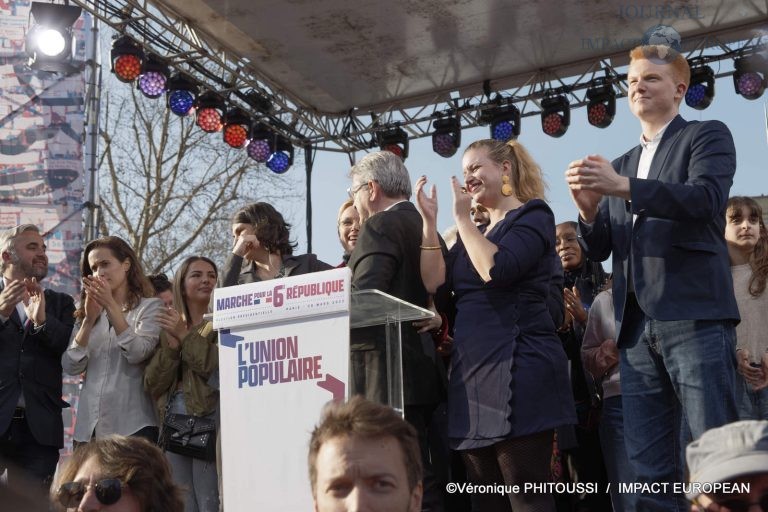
<point x="269" y="227"/>
<point x="138" y="285"/>
<point x="135" y="462"/>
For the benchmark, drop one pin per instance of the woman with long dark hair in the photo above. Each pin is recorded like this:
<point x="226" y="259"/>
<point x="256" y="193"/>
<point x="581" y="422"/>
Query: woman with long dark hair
<point x="116" y="335"/>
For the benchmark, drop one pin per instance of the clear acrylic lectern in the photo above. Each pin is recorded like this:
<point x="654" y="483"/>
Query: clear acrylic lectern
<point x="373" y="307"/>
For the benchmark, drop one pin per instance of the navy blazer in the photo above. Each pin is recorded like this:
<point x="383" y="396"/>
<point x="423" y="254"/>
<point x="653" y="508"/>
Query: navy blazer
<point x="31" y="364"/>
<point x="676" y="248"/>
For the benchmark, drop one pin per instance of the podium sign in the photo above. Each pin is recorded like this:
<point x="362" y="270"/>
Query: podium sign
<point x="283" y="354"/>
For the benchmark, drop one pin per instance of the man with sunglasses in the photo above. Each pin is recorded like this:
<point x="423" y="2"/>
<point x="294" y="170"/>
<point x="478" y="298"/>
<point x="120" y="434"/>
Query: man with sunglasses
<point x="729" y="468"/>
<point x="35" y="327"/>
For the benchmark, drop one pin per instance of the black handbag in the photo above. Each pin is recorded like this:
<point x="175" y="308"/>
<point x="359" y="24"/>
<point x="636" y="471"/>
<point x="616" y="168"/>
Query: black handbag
<point x="189" y="435"/>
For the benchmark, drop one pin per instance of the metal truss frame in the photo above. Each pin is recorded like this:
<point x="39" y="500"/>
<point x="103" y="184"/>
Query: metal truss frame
<point x="233" y="78"/>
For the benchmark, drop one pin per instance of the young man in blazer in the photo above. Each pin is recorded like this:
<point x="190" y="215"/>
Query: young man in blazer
<point x="35" y="328"/>
<point x="660" y="210"/>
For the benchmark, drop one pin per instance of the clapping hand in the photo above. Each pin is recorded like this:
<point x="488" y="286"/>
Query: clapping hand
<point x="13" y="293"/>
<point x="427" y="205"/>
<point x="462" y="201"/>
<point x="34" y="305"/>
<point x="171" y="322"/>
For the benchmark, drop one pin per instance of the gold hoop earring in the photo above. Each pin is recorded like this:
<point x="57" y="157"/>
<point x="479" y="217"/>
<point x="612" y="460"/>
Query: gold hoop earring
<point x="506" y="188"/>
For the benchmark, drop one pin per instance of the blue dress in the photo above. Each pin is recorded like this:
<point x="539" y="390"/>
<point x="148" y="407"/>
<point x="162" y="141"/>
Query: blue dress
<point x="509" y="373"/>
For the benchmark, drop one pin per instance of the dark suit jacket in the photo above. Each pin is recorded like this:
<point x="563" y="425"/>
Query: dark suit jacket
<point x="31" y="363"/>
<point x="387" y="258"/>
<point x="676" y="249"/>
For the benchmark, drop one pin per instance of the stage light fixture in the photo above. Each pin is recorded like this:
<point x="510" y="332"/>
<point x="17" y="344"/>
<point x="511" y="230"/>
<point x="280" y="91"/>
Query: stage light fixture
<point x="182" y="93"/>
<point x="261" y="143"/>
<point x="154" y="77"/>
<point x="447" y="137"/>
<point x="555" y="114"/>
<point x="394" y="140"/>
<point x="50" y="42"/>
<point x="504" y="121"/>
<point x="210" y="112"/>
<point x="749" y="76"/>
<point x="281" y="158"/>
<point x="236" y="126"/>
<point x="127" y="59"/>
<point x="701" y="91"/>
<point x="601" y="104"/>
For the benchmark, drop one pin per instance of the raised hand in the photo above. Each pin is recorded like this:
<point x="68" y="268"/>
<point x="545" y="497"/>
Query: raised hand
<point x="100" y="291"/>
<point x="11" y="295"/>
<point x="427" y="205"/>
<point x="462" y="201"/>
<point x="579" y="177"/>
<point x="34" y="307"/>
<point x="244" y="243"/>
<point x="92" y="308"/>
<point x="573" y="304"/>
<point x="171" y="322"/>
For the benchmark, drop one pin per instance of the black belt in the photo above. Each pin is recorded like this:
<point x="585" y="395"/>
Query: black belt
<point x="19" y="413"/>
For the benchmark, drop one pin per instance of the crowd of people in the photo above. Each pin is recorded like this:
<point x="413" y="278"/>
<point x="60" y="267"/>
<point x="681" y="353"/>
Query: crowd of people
<point x="538" y="367"/>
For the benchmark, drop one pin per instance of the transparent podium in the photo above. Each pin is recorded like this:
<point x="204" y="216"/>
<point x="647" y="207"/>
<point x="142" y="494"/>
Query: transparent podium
<point x="370" y="308"/>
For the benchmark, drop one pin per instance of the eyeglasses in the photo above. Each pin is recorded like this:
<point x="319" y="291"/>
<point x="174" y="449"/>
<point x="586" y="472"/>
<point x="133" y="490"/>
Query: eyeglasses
<point x="354" y="190"/>
<point x="108" y="492"/>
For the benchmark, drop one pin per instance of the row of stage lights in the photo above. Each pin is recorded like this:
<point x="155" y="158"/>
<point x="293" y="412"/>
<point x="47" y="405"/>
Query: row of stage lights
<point x="50" y="45"/>
<point x="130" y="64"/>
<point x="750" y="80"/>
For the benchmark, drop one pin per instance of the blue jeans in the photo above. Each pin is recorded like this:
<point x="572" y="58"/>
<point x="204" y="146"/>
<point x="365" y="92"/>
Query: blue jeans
<point x="615" y="454"/>
<point x="681" y="371"/>
<point x="753" y="405"/>
<point x="198" y="478"/>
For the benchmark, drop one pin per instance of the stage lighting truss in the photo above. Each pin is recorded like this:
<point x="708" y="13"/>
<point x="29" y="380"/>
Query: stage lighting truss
<point x="394" y="140"/>
<point x="153" y="81"/>
<point x="749" y="78"/>
<point x="601" y="104"/>
<point x="50" y="42"/>
<point x="281" y="159"/>
<point x="210" y="112"/>
<point x="181" y="94"/>
<point x="447" y="136"/>
<point x="504" y="121"/>
<point x="236" y="127"/>
<point x="261" y="143"/>
<point x="555" y="114"/>
<point x="702" y="88"/>
<point x="127" y="59"/>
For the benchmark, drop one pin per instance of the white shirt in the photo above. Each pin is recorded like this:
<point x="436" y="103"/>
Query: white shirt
<point x="113" y="399"/>
<point x="646" y="157"/>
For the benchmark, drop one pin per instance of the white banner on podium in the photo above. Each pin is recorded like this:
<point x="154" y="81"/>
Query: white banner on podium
<point x="283" y="354"/>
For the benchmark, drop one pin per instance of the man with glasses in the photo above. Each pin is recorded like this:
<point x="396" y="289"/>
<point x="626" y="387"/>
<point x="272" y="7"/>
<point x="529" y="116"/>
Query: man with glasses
<point x="35" y="327"/>
<point x="387" y="258"/>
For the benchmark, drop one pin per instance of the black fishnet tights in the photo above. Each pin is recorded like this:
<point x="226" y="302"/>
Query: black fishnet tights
<point x="512" y="461"/>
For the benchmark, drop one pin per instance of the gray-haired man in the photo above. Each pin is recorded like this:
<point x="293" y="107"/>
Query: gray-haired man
<point x="35" y="327"/>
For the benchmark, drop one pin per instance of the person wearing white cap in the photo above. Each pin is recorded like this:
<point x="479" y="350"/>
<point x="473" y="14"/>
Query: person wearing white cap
<point x="728" y="468"/>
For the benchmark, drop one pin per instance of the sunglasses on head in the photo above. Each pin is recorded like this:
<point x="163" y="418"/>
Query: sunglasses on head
<point x="107" y="491"/>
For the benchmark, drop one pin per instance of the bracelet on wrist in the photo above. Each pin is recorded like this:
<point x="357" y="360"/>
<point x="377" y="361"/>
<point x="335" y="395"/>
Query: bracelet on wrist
<point x="430" y="247"/>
